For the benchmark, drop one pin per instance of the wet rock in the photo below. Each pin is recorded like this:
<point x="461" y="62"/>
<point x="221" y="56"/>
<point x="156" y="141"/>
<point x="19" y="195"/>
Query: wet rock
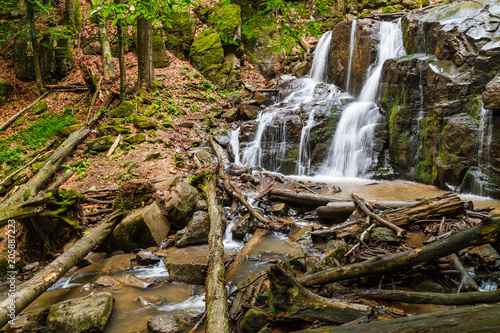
<point x="364" y="55"/>
<point x="144" y="228"/>
<point x="151" y="300"/>
<point x="196" y="232"/>
<point x="40" y="108"/>
<point x="86" y="314"/>
<point x="202" y="205"/>
<point x="279" y="209"/>
<point x="188" y="268"/>
<point x="245" y="225"/>
<point x="123" y="110"/>
<point x="221" y="135"/>
<point x="180" y="205"/>
<point x="164" y="324"/>
<point x="249" y="112"/>
<point x="146" y="258"/>
<point x="298" y="259"/>
<point x="143" y="122"/>
<point x="100" y="144"/>
<point x="261" y="99"/>
<point x="135" y="139"/>
<point x="5" y="90"/>
<point x="231" y="114"/>
<point x="334" y="257"/>
<point x="482" y="256"/>
<point x="66" y="131"/>
<point x="383" y="235"/>
<point x="427" y="285"/>
<point x="122" y="280"/>
<point x="179" y="34"/>
<point x="112" y="265"/>
<point x="253" y="321"/>
<point x="134" y="194"/>
<point x="247" y="130"/>
<point x="248" y="178"/>
<point x="491" y="96"/>
<point x="30" y="322"/>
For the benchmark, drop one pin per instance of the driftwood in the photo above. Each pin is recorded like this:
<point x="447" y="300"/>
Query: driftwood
<point x="229" y="188"/>
<point x="216" y="299"/>
<point x="485" y="232"/>
<point x="337" y="210"/>
<point x="463" y="320"/>
<point x="30" y="290"/>
<point x="20" y="113"/>
<point x="301" y="198"/>
<point x="94" y="97"/>
<point x="300" y="303"/>
<point x="475" y="297"/>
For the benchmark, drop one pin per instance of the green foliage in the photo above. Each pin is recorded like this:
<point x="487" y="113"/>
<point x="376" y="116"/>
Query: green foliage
<point x="78" y="167"/>
<point x="39" y="133"/>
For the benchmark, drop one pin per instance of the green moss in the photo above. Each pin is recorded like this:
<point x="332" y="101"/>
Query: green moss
<point x="40" y="108"/>
<point x="5" y="90"/>
<point x="206" y="50"/>
<point x="225" y="18"/>
<point x="123" y="110"/>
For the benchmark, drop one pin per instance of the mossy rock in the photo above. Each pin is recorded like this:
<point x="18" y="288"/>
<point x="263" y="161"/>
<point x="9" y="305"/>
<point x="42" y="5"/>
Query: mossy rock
<point x="123" y="110"/>
<point x="40" y="108"/>
<point x="253" y="321"/>
<point x="383" y="235"/>
<point x="160" y="56"/>
<point x="206" y="50"/>
<point x="143" y="122"/>
<point x="86" y="314"/>
<point x="66" y="131"/>
<point x="19" y="121"/>
<point x="226" y="19"/>
<point x="110" y="129"/>
<point x="180" y="205"/>
<point x="100" y="144"/>
<point x="22" y="58"/>
<point x="196" y="232"/>
<point x="135" y="139"/>
<point x="179" y="34"/>
<point x="5" y="90"/>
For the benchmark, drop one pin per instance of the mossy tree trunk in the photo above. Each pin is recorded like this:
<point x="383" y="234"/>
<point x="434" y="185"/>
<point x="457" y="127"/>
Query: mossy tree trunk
<point x="145" y="54"/>
<point x="121" y="56"/>
<point x="108" y="67"/>
<point x="30" y="7"/>
<point x="73" y="16"/>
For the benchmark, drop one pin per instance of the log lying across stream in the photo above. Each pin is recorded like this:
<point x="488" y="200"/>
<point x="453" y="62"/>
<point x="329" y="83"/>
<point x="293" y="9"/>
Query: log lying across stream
<point x="487" y="231"/>
<point x="463" y="320"/>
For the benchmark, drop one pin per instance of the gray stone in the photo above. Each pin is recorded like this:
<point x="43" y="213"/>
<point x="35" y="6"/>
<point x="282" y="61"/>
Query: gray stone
<point x="151" y="300"/>
<point x="245" y="225"/>
<point x="249" y="112"/>
<point x="491" y="96"/>
<point x="196" y="232"/>
<point x="86" y="314"/>
<point x="164" y="324"/>
<point x="180" y="205"/>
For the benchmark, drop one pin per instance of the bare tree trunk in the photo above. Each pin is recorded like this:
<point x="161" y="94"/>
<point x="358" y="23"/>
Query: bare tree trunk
<point x="121" y="57"/>
<point x="29" y="291"/>
<point x="145" y="54"/>
<point x="30" y="5"/>
<point x="216" y="300"/>
<point x="485" y="232"/>
<point x="108" y="67"/>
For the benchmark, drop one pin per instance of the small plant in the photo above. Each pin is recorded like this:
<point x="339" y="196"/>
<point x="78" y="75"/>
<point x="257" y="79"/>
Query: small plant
<point x="78" y="167"/>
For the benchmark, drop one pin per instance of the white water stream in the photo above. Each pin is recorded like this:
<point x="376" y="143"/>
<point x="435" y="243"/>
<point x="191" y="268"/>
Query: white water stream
<point x="352" y="44"/>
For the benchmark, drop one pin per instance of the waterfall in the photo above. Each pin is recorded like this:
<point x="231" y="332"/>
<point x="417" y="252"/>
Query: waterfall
<point x="351" y="154"/>
<point x="304" y="162"/>
<point x="352" y="44"/>
<point x="235" y="145"/>
<point x="484" y="158"/>
<point x="319" y="70"/>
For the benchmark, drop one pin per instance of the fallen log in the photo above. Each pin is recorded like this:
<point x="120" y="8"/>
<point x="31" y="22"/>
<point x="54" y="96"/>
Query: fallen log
<point x="30" y="290"/>
<point x="20" y="113"/>
<point x="302" y="198"/>
<point x="216" y="298"/>
<point x="468" y="319"/>
<point x="448" y="205"/>
<point x="300" y="303"/>
<point x="333" y="210"/>
<point x="485" y="232"/>
<point x="229" y="188"/>
<point x="474" y="297"/>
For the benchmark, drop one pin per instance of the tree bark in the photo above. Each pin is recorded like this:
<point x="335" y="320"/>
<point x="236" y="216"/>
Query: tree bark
<point x="216" y="300"/>
<point x="30" y="6"/>
<point x="463" y="320"/>
<point x="485" y="232"/>
<point x="475" y="297"/>
<point x="336" y="210"/>
<point x="89" y="79"/>
<point x="121" y="56"/>
<point x="108" y="67"/>
<point x="300" y="303"/>
<point x="73" y="16"/>
<point x="145" y="67"/>
<point x="29" y="291"/>
<point x="302" y="198"/>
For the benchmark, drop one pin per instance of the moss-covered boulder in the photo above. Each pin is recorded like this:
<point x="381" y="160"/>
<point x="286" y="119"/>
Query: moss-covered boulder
<point x="22" y="58"/>
<point x="261" y="50"/>
<point x="123" y="110"/>
<point x="66" y="131"/>
<point x="135" y="139"/>
<point x="100" y="144"/>
<point x="180" y="205"/>
<point x="160" y="56"/>
<point x="206" y="53"/>
<point x="229" y="74"/>
<point x="5" y="90"/>
<point x="40" y="108"/>
<point x="112" y="129"/>
<point x="179" y="34"/>
<point x="196" y="232"/>
<point x="383" y="235"/>
<point x="56" y="56"/>
<point x="226" y="19"/>
<point x="86" y="314"/>
<point x="144" y="228"/>
<point x="253" y="321"/>
<point x="143" y="122"/>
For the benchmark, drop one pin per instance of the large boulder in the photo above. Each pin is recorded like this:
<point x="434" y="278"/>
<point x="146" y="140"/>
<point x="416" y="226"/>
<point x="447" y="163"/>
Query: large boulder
<point x="491" y="96"/>
<point x="5" y="90"/>
<point x="160" y="57"/>
<point x="123" y="110"/>
<point x="56" y="57"/>
<point x="261" y="49"/>
<point x="86" y="314"/>
<point x="100" y="144"/>
<point x="22" y="58"/>
<point x="180" y="205"/>
<point x="144" y="228"/>
<point x="187" y="264"/>
<point x="196" y="232"/>
<point x="164" y="324"/>
<point x="226" y="19"/>
<point x="179" y="34"/>
<point x="207" y="54"/>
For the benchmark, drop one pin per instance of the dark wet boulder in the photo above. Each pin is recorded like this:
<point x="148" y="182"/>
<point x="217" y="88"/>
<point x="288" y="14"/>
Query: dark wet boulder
<point x="253" y="321"/>
<point x="491" y="96"/>
<point x="196" y="232"/>
<point x="5" y="90"/>
<point x="180" y="205"/>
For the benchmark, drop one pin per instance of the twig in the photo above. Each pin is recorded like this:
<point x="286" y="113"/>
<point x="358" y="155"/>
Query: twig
<point x="92" y="102"/>
<point x="202" y="319"/>
<point x="20" y="113"/>
<point x="60" y="181"/>
<point x="113" y="147"/>
<point x="102" y="202"/>
<point x="103" y="211"/>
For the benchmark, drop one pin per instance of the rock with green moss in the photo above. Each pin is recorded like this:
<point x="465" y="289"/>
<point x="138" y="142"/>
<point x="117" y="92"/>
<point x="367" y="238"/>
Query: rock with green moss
<point x="5" y="90"/>
<point x="226" y="19"/>
<point x="189" y="269"/>
<point x="64" y="56"/>
<point x="22" y="57"/>
<point x="253" y="321"/>
<point x="100" y="144"/>
<point x="180" y="205"/>
<point x="111" y="129"/>
<point x="143" y="122"/>
<point x="123" y="110"/>
<point x="144" y="228"/>
<point x="40" y="108"/>
<point x="160" y="56"/>
<point x="196" y="232"/>
<point x="206" y="53"/>
<point x="229" y="74"/>
<point x="66" y="131"/>
<point x="261" y="49"/>
<point x="135" y="139"/>
<point x="56" y="56"/>
<point x="179" y="34"/>
<point x="86" y="314"/>
<point x="334" y="256"/>
<point x="382" y="235"/>
<point x="19" y="121"/>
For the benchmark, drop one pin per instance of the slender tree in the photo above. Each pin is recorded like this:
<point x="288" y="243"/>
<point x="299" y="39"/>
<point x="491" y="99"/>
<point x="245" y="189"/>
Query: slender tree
<point x="30" y="7"/>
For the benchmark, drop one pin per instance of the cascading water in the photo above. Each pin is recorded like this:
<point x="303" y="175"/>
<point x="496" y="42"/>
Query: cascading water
<point x="351" y="150"/>
<point x="352" y="44"/>
<point x="304" y="162"/>
<point x="235" y="145"/>
<point x="485" y="140"/>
